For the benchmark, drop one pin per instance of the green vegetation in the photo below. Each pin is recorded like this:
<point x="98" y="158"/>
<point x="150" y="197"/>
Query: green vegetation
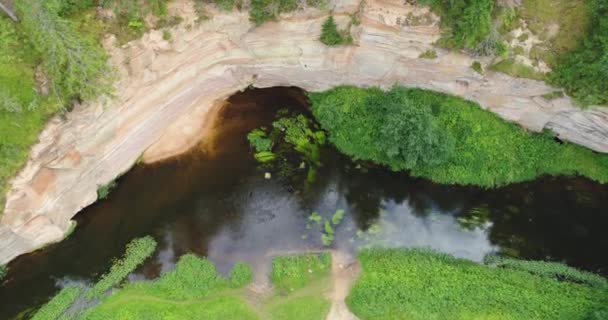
<point x="268" y="10"/>
<point x="429" y="54"/>
<point x="516" y="69"/>
<point x="75" y="64"/>
<point x="466" y="22"/>
<point x="444" y="138"/>
<point x="104" y="190"/>
<point x="289" y="133"/>
<point x="240" y="275"/>
<point x="327" y="236"/>
<point x="393" y="128"/>
<point x="3" y="272"/>
<point x="331" y="36"/>
<point x="419" y="284"/>
<point x="309" y="307"/>
<point x="476" y="65"/>
<point x="290" y="273"/>
<point x="60" y="303"/>
<point x="583" y="72"/>
<point x="554" y="270"/>
<point x="337" y="217"/>
<point x="137" y="252"/>
<point x="195" y="290"/>
<point x="315" y="217"/>
<point x="191" y="291"/>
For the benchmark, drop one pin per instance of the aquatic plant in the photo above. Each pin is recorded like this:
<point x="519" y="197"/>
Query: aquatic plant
<point x="259" y="140"/>
<point x="240" y="275"/>
<point x="59" y="304"/>
<point x="315" y="217"/>
<point x="554" y="270"/>
<point x="294" y="272"/>
<point x="337" y="217"/>
<point x="136" y="253"/>
<point x="328" y="235"/>
<point x="422" y="284"/>
<point x="444" y="138"/>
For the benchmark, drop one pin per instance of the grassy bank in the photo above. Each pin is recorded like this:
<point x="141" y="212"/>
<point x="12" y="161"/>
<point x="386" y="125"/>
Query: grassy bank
<point x="195" y="290"/>
<point x="445" y="138"/>
<point x="419" y="284"/>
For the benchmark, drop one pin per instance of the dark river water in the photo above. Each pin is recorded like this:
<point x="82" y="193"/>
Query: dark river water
<point x="216" y="202"/>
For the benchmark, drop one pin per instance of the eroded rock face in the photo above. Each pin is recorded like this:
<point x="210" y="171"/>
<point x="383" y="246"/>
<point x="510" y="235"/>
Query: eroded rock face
<point x="167" y="92"/>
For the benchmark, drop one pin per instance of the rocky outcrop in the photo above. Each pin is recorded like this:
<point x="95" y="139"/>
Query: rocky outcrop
<point x="167" y="90"/>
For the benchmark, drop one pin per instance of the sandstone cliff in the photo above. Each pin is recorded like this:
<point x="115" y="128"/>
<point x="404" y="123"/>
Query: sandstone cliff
<point x="167" y="89"/>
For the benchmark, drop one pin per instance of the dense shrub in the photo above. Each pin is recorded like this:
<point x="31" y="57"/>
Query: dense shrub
<point x="294" y="272"/>
<point x="584" y="72"/>
<point x="444" y="138"/>
<point x="75" y="64"/>
<point x="549" y="269"/>
<point x="3" y="272"/>
<point x="391" y="128"/>
<point x="60" y="303"/>
<point x="419" y="284"/>
<point x="137" y="252"/>
<point x="466" y="22"/>
<point x="331" y="36"/>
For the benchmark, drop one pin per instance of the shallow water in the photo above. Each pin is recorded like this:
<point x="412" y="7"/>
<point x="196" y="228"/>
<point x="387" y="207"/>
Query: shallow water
<point x="215" y="202"/>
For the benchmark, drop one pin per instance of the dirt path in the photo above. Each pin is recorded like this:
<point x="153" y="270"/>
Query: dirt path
<point x="344" y="271"/>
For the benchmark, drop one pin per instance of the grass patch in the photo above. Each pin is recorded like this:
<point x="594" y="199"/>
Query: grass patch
<point x="419" y="284"/>
<point x="137" y="252"/>
<point x="558" y="271"/>
<point x="476" y="65"/>
<point x="60" y="303"/>
<point x="485" y="150"/>
<point x="428" y="54"/>
<point x="290" y="273"/>
<point x="516" y="69"/>
<point x="301" y="308"/>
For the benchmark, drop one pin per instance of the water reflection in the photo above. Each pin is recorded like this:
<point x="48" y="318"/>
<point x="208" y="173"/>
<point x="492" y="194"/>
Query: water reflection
<point x="215" y="202"/>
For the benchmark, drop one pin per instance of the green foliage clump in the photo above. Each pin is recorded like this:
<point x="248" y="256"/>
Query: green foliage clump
<point x="554" y="270"/>
<point x="136" y="253"/>
<point x="327" y="237"/>
<point x="294" y="272"/>
<point x="104" y="190"/>
<point x="259" y="140"/>
<point x="420" y="284"/>
<point x="331" y="36"/>
<point x="428" y="54"/>
<point x="467" y="22"/>
<point x="60" y="303"/>
<point x="476" y="65"/>
<point x="301" y="134"/>
<point x="75" y="64"/>
<point x="392" y="128"/>
<point x="268" y="10"/>
<point x="240" y="275"/>
<point x="315" y="217"/>
<point x="3" y="272"/>
<point x="584" y="71"/>
<point x="484" y="150"/>
<point x="301" y="308"/>
<point x="337" y="217"/>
